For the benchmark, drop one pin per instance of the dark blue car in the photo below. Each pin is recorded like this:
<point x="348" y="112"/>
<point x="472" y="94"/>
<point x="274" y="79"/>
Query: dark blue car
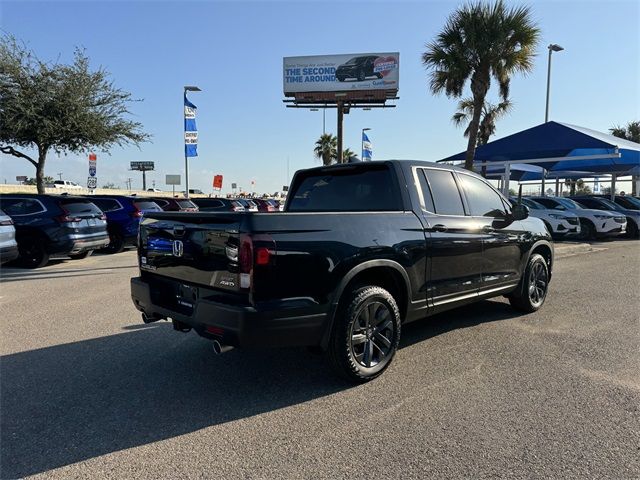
<point x="123" y="217"/>
<point x="54" y="225"/>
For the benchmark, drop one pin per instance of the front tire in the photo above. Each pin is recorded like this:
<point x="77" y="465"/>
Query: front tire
<point x="361" y="76"/>
<point x="587" y="230"/>
<point x="532" y="291"/>
<point x="116" y="242"/>
<point x="365" y="334"/>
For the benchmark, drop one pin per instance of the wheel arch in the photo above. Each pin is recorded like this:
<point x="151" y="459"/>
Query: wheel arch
<point x="384" y="273"/>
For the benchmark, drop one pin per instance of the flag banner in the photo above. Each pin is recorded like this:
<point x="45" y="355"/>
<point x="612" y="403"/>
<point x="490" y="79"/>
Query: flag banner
<point x="367" y="148"/>
<point x="190" y="129"/>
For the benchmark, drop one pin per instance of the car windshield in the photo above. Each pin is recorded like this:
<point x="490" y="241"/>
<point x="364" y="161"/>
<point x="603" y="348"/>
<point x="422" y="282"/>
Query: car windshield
<point x="532" y="204"/>
<point x="353" y="61"/>
<point x="629" y="202"/>
<point x="186" y="204"/>
<point x="610" y="205"/>
<point x="567" y="203"/>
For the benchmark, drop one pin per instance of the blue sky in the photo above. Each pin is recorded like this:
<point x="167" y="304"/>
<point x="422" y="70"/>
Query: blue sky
<point x="234" y="50"/>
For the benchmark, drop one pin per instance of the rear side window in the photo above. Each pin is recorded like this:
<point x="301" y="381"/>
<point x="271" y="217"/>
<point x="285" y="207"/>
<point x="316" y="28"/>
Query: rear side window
<point x="186" y="204"/>
<point x="147" y="206"/>
<point x="427" y="199"/>
<point x="445" y="193"/>
<point x="106" y="204"/>
<point x="483" y="200"/>
<point x="21" y="206"/>
<point x="161" y="203"/>
<point x="349" y="190"/>
<point x="76" y="207"/>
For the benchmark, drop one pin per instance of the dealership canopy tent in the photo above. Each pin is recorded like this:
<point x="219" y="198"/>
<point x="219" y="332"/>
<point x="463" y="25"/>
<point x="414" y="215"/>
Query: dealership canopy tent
<point x="556" y="147"/>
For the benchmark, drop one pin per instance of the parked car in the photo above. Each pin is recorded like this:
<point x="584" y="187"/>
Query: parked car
<point x="54" y="225"/>
<point x="8" y="244"/>
<point x="66" y="184"/>
<point x="153" y="190"/>
<point x="358" y="67"/>
<point x="626" y="201"/>
<point x="265" y="206"/>
<point x="174" y="204"/>
<point x="593" y="223"/>
<point x="601" y="203"/>
<point x="359" y="250"/>
<point x="249" y="205"/>
<point x="560" y="225"/>
<point x="217" y="205"/>
<point x="123" y="218"/>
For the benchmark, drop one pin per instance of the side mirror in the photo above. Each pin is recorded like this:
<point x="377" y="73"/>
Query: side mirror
<point x="519" y="212"/>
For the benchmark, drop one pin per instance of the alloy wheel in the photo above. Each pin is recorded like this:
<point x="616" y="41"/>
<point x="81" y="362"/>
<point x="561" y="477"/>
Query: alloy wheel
<point x="538" y="281"/>
<point x="372" y="334"/>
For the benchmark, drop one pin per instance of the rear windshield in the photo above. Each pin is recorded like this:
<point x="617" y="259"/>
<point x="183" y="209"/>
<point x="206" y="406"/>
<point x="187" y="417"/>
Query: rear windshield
<point x="78" y="206"/>
<point x="348" y="190"/>
<point x="147" y="206"/>
<point x="186" y="204"/>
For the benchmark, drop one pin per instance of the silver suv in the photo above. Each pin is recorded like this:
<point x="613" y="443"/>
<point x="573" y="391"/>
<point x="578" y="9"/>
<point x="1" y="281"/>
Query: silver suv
<point x="8" y="244"/>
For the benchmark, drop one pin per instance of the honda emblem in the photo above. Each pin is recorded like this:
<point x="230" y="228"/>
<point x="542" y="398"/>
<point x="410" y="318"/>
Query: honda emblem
<point x="178" y="248"/>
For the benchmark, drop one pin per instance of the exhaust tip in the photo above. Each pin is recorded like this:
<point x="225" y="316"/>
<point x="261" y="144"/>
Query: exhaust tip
<point x="219" y="348"/>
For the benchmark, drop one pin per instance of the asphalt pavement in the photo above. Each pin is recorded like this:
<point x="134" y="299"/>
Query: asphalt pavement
<point x="88" y="391"/>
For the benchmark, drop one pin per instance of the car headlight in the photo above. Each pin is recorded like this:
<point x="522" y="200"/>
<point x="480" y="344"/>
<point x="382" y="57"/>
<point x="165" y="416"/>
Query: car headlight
<point x="603" y="217"/>
<point x="557" y="217"/>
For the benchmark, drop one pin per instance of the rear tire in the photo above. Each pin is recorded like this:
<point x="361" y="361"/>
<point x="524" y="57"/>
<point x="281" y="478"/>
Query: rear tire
<point x="632" y="230"/>
<point x="32" y="253"/>
<point x="116" y="242"/>
<point x="532" y="291"/>
<point x="365" y="334"/>
<point x="80" y="256"/>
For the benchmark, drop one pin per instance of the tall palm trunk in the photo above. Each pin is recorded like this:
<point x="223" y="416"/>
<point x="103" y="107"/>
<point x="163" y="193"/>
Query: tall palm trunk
<point x="479" y="88"/>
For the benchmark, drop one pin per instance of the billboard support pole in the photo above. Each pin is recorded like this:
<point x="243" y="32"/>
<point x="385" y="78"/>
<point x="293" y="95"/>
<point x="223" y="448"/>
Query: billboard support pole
<point x="340" y="117"/>
<point x="144" y="180"/>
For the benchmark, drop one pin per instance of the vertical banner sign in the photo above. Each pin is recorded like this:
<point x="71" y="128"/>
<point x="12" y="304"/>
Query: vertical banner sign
<point x="190" y="130"/>
<point x="92" y="180"/>
<point x="217" y="182"/>
<point x="367" y="148"/>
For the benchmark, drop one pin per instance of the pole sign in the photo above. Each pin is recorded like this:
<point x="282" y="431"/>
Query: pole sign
<point x="190" y="129"/>
<point x="336" y="73"/>
<point x="92" y="180"/>
<point x="172" y="179"/>
<point x="217" y="182"/>
<point x="142" y="166"/>
<point x="21" y="178"/>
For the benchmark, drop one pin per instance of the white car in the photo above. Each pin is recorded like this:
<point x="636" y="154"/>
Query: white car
<point x="8" y="244"/>
<point x="65" y="184"/>
<point x="560" y="224"/>
<point x="593" y="223"/>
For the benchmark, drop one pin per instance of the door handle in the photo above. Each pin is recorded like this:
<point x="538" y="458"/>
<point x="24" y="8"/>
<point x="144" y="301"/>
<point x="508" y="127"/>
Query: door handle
<point x="438" y="228"/>
<point x="488" y="229"/>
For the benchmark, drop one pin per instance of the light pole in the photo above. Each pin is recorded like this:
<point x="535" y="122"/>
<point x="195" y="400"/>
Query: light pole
<point x="552" y="48"/>
<point x="362" y="140"/>
<point x="324" y="110"/>
<point x="187" y="88"/>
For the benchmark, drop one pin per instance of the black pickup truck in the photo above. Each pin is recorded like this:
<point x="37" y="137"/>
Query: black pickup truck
<point x="359" y="250"/>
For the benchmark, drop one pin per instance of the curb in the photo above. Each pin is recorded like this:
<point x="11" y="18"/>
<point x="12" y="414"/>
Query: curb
<point x="566" y="250"/>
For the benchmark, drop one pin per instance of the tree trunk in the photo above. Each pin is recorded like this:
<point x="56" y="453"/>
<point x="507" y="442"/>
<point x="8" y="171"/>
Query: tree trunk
<point x="42" y="156"/>
<point x="479" y="89"/>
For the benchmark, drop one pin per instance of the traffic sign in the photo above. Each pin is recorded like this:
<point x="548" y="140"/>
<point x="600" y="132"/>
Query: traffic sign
<point x="92" y="171"/>
<point x="92" y="182"/>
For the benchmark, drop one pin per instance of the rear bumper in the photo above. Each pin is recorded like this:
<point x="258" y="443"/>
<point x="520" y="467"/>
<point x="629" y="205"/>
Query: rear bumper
<point x="8" y="254"/>
<point x="93" y="243"/>
<point x="284" y="324"/>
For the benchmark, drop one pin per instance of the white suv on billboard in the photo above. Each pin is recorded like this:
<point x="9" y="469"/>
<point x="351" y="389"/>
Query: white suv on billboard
<point x="593" y="223"/>
<point x="560" y="224"/>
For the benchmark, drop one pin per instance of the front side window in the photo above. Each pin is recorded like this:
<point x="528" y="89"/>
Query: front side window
<point x="445" y="193"/>
<point x="483" y="200"/>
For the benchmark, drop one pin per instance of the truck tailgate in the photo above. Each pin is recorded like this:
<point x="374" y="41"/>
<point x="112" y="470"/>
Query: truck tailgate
<point x="196" y="248"/>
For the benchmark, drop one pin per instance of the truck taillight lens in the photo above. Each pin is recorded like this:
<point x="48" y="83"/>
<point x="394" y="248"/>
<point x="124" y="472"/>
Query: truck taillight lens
<point x="262" y="256"/>
<point x="245" y="260"/>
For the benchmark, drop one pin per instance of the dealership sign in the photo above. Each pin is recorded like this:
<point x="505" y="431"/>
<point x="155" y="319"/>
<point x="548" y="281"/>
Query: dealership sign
<point x="339" y="73"/>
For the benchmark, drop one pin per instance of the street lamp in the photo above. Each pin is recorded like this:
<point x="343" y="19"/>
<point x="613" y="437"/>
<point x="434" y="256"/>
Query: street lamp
<point x="187" y="88"/>
<point x="324" y="111"/>
<point x="552" y="48"/>
<point x="362" y="139"/>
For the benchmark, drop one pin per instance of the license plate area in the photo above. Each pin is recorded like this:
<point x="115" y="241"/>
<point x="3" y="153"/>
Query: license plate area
<point x="186" y="296"/>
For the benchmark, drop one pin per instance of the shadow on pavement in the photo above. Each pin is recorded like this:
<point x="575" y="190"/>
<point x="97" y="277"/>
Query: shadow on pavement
<point x="72" y="402"/>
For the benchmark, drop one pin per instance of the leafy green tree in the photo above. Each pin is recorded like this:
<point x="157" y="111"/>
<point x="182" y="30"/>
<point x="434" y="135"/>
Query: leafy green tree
<point x="65" y="108"/>
<point x="481" y="41"/>
<point x="490" y="114"/>
<point x="577" y="187"/>
<point x="33" y="181"/>
<point x="110" y="185"/>
<point x="326" y="148"/>
<point x="347" y="154"/>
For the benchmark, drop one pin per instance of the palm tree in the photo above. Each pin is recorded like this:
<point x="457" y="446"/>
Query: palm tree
<point x="630" y="132"/>
<point x="481" y="41"/>
<point x="326" y="148"/>
<point x="347" y="154"/>
<point x="490" y="114"/>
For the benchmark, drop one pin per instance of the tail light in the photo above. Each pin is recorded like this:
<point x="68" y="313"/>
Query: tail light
<point x="103" y="217"/>
<point x="67" y="217"/>
<point x="137" y="213"/>
<point x="254" y="252"/>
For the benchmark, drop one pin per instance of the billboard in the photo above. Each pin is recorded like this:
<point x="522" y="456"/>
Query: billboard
<point x="339" y="73"/>
<point x="142" y="166"/>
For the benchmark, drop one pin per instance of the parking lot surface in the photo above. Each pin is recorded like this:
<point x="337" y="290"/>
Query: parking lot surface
<point x="88" y="391"/>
